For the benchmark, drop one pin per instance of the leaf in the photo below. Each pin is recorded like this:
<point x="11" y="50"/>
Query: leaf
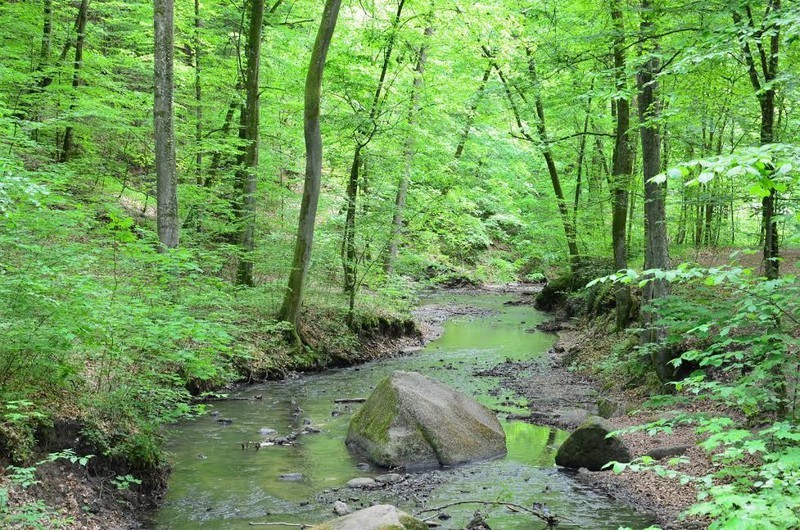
<point x="705" y="177"/>
<point x="659" y="179"/>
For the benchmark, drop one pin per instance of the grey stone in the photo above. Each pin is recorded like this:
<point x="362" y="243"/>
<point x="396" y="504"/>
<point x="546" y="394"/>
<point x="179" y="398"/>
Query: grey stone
<point x="659" y="453"/>
<point x="340" y="508"/>
<point x="389" y="478"/>
<point x="588" y="446"/>
<point x="415" y="422"/>
<point x="292" y="477"/>
<point x="378" y="517"/>
<point x="361" y="483"/>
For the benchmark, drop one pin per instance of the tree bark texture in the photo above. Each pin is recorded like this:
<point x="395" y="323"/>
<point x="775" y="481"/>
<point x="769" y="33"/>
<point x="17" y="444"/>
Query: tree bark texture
<point x="762" y="74"/>
<point x="167" y="221"/>
<point x="247" y="175"/>
<point x="408" y="154"/>
<point x="349" y="258"/>
<point x="198" y="96"/>
<point x="655" y="225"/>
<point x="80" y="39"/>
<point x="293" y="298"/>
<point x="622" y="167"/>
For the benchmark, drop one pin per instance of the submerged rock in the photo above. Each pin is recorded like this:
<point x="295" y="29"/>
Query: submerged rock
<point x="415" y="422"/>
<point x="378" y="517"/>
<point x="588" y="446"/>
<point x="292" y="477"/>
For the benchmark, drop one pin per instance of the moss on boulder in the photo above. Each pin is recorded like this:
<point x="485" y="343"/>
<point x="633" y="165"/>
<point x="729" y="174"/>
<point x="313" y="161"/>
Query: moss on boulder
<point x="415" y="422"/>
<point x="591" y="447"/>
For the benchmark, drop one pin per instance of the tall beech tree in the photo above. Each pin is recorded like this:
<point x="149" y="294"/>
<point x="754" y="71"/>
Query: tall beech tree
<point x="164" y="124"/>
<point x="80" y="40"/>
<point x="408" y="150"/>
<point x="293" y="298"/>
<point x="363" y="136"/>
<point x="655" y="222"/>
<point x="247" y="174"/>
<point x="762" y="70"/>
<point x="622" y="165"/>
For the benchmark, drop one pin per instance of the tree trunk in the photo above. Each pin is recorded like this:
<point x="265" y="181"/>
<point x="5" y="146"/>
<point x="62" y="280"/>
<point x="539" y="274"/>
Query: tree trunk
<point x="655" y="225"/>
<point x="622" y="167"/>
<point x="216" y="159"/>
<point x="198" y="97"/>
<point x="473" y="110"/>
<point x="408" y="153"/>
<point x="569" y="228"/>
<point x="764" y="88"/>
<point x="247" y="175"/>
<point x="83" y="13"/>
<point x="167" y="221"/>
<point x="349" y="258"/>
<point x="47" y="33"/>
<point x="293" y="298"/>
<point x="348" y="241"/>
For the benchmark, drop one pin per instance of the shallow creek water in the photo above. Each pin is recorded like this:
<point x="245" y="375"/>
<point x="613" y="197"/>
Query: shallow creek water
<point x="216" y="485"/>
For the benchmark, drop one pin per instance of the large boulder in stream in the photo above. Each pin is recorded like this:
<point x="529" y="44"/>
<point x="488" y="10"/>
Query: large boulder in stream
<point x="590" y="447"/>
<point x="415" y="422"/>
<point x="378" y="517"/>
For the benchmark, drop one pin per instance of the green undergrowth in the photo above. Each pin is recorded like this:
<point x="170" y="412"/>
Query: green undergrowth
<point x="106" y="334"/>
<point x="733" y="336"/>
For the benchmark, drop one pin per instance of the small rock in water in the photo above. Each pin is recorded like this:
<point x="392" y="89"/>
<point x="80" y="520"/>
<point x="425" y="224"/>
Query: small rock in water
<point x="292" y="477"/>
<point x="224" y="421"/>
<point x="340" y="508"/>
<point x="266" y="431"/>
<point x="389" y="478"/>
<point x="309" y="430"/>
<point x="361" y="483"/>
<point x="362" y="465"/>
<point x="214" y="413"/>
<point x="201" y="456"/>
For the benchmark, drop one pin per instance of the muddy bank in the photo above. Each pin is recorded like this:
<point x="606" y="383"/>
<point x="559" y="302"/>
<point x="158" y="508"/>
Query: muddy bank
<point x="562" y="396"/>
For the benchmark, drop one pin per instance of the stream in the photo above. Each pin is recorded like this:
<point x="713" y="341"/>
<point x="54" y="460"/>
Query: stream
<point x="215" y="484"/>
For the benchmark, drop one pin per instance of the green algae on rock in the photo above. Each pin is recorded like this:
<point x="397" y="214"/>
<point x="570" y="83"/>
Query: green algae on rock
<point x="415" y="422"/>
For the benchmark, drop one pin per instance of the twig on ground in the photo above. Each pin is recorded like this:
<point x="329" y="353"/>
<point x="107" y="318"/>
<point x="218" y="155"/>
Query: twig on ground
<point x="297" y="525"/>
<point x="551" y="520"/>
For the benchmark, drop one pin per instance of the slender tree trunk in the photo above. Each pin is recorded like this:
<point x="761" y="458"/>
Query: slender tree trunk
<point x="83" y="13"/>
<point x="47" y="33"/>
<point x="569" y="228"/>
<point x="198" y="96"/>
<point x="473" y="110"/>
<point x="348" y="241"/>
<point x="293" y="299"/>
<point x="216" y="159"/>
<point x="349" y="258"/>
<point x="408" y="153"/>
<point x="762" y="78"/>
<point x="622" y="167"/>
<point x="552" y="170"/>
<point x="581" y="156"/>
<point x="247" y="175"/>
<point x="167" y="221"/>
<point x="655" y="225"/>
